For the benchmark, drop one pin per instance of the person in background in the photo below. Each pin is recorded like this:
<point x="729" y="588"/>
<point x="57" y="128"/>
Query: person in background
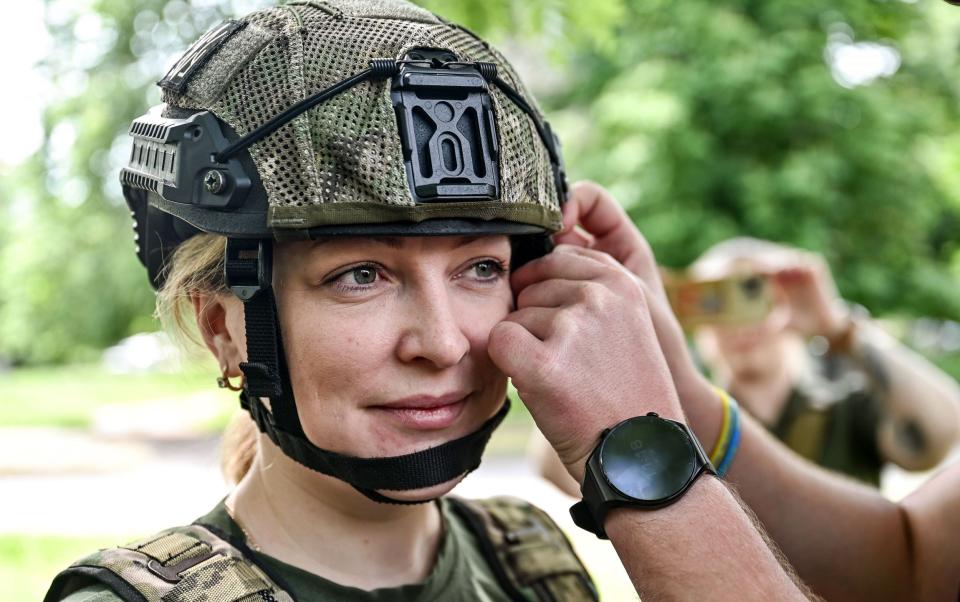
<point x="822" y="376"/>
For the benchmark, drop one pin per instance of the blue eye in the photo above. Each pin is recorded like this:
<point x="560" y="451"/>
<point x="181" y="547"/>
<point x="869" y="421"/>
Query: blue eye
<point x="363" y="275"/>
<point x="487" y="270"/>
<point x="484" y="272"/>
<point x="356" y="279"/>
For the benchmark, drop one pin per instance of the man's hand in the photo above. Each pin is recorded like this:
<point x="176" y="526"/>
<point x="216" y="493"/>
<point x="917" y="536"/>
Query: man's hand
<point x="593" y="219"/>
<point x="581" y="350"/>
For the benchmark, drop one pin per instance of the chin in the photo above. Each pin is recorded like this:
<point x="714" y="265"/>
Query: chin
<point x="424" y="494"/>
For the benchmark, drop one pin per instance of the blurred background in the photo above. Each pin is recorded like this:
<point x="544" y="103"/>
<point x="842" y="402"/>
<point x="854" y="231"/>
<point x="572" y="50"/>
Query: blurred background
<point x="829" y="125"/>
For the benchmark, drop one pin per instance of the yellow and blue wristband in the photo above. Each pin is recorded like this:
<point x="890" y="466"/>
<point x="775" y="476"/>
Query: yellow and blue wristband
<point x="729" y="440"/>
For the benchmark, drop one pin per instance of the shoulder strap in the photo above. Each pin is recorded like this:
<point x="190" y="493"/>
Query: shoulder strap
<point x="528" y="552"/>
<point x="183" y="564"/>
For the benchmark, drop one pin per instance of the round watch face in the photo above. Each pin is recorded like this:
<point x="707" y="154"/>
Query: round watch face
<point x="648" y="458"/>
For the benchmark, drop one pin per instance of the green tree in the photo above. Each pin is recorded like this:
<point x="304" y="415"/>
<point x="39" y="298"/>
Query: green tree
<point x="727" y="118"/>
<point x="70" y="280"/>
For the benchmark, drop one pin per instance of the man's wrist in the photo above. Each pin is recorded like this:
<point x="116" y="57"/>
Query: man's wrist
<point x="707" y="490"/>
<point x="668" y="407"/>
<point x="844" y="338"/>
<point x="577" y="468"/>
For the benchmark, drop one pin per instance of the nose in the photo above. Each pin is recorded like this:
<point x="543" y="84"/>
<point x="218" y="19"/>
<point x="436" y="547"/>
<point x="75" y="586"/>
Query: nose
<point x="434" y="332"/>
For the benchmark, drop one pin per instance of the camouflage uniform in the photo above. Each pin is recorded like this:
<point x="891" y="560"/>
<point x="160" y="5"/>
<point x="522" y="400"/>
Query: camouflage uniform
<point x="496" y="550"/>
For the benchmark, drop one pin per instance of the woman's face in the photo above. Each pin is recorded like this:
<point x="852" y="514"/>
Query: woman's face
<point x="752" y="349"/>
<point x="386" y="338"/>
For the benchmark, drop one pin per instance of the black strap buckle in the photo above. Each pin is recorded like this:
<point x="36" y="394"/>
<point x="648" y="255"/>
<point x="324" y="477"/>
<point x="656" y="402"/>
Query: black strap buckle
<point x="248" y="268"/>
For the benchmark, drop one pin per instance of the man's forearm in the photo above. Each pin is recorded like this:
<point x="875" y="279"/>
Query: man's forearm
<point x="821" y="521"/>
<point x="702" y="547"/>
<point x="921" y="404"/>
<point x="933" y="515"/>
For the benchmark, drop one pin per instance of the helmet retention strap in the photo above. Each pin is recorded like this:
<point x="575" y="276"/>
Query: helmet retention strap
<point x="247" y="269"/>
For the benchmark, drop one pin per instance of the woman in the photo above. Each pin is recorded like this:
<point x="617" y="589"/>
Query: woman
<point x="383" y="360"/>
<point x="338" y="191"/>
<point x="859" y="400"/>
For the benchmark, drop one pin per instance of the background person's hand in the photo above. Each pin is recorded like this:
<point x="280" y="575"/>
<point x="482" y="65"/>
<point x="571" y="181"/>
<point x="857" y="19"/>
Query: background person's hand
<point x="808" y="291"/>
<point x="581" y="350"/>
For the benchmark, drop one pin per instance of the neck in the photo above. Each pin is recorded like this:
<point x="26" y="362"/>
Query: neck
<point x="324" y="526"/>
<point x="764" y="393"/>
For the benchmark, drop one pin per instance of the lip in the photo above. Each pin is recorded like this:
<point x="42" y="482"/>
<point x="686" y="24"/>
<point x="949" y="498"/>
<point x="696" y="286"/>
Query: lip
<point x="425" y="412"/>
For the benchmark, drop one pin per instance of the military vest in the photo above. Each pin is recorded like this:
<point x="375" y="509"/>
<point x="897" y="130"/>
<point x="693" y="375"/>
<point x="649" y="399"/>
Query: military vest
<point x="528" y="553"/>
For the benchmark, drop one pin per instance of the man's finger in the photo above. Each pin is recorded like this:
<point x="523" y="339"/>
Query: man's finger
<point x="591" y="206"/>
<point x="563" y="262"/>
<point x="541" y="322"/>
<point x="576" y="236"/>
<point x="549" y="293"/>
<point x="597" y="212"/>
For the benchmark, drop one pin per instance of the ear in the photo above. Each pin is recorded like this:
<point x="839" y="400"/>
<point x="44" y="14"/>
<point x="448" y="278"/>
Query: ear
<point x="220" y="322"/>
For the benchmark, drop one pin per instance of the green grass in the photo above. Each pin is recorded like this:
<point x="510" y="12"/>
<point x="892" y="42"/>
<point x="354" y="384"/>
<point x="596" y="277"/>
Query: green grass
<point x="68" y="396"/>
<point x="28" y="563"/>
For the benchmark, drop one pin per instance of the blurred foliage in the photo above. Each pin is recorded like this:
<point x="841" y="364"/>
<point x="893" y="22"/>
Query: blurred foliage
<point x="30" y="561"/>
<point x="706" y="119"/>
<point x="71" y="282"/>
<point x="71" y="396"/>
<point x="717" y="119"/>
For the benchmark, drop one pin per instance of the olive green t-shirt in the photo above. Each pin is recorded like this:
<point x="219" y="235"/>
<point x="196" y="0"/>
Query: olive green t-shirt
<point x="841" y="437"/>
<point x="461" y="572"/>
<point x="832" y="418"/>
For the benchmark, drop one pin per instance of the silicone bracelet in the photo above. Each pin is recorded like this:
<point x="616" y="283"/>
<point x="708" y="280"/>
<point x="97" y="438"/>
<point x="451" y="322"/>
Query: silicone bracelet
<point x="734" y="445"/>
<point x="718" y="448"/>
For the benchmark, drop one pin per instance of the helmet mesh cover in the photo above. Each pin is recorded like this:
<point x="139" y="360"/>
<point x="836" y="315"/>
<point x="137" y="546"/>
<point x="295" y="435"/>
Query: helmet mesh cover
<point x="341" y="162"/>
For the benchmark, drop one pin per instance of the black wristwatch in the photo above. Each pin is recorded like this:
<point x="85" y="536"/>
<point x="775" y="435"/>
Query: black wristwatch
<point x="642" y="462"/>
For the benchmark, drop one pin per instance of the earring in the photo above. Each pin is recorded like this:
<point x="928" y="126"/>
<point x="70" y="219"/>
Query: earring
<point x="224" y="382"/>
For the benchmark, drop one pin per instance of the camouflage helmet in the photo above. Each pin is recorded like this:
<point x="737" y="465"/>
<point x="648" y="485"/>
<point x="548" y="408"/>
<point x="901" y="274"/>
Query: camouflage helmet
<point x="339" y="117"/>
<point x="397" y="153"/>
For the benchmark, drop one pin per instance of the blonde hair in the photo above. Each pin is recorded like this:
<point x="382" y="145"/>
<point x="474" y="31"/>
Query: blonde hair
<point x="725" y="257"/>
<point x="197" y="267"/>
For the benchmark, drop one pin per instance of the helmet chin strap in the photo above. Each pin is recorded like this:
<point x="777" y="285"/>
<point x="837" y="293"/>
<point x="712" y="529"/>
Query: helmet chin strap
<point x="248" y="266"/>
<point x="416" y="470"/>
